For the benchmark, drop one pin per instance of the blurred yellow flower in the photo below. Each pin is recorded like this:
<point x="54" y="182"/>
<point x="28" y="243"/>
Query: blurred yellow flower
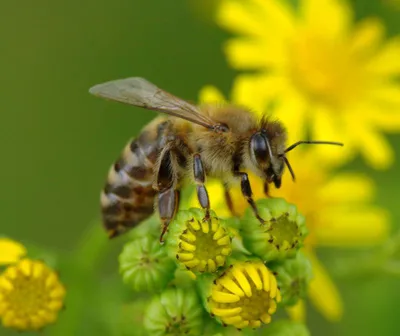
<point x="325" y="75"/>
<point x="31" y="295"/>
<point x="337" y="208"/>
<point x="11" y="251"/>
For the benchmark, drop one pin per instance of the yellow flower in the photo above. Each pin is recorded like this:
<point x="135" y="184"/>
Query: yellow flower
<point x="323" y="74"/>
<point x="198" y="245"/>
<point x="246" y="295"/>
<point x="11" y="251"/>
<point x="31" y="295"/>
<point x="338" y="213"/>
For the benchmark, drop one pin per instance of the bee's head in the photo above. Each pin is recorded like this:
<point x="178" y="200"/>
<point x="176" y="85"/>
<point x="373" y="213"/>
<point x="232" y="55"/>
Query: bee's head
<point x="266" y="158"/>
<point x="268" y="155"/>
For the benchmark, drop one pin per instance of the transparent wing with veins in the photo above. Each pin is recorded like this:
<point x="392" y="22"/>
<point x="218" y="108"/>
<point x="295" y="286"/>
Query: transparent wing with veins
<point x="140" y="92"/>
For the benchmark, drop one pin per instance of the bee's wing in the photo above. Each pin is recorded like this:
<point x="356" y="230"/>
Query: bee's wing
<point x="140" y="92"/>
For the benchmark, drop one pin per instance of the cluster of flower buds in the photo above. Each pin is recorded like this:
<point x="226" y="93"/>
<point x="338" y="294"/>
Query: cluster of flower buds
<point x="213" y="278"/>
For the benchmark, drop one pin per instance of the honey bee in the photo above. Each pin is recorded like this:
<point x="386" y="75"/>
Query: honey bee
<point x="188" y="143"/>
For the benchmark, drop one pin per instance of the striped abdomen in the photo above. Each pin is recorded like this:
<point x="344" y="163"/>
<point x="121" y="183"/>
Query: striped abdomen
<point x="128" y="197"/>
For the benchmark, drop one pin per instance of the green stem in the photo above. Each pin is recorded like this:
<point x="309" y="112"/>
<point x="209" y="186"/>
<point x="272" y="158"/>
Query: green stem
<point x="79" y="275"/>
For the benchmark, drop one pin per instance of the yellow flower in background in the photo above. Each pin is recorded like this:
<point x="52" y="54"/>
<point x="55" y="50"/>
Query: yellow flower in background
<point x="325" y="75"/>
<point x="337" y="208"/>
<point x="31" y="294"/>
<point x="10" y="251"/>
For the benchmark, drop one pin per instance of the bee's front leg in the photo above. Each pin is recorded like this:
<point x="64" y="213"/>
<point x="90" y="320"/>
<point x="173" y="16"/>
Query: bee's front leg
<point x="247" y="193"/>
<point x="200" y="178"/>
<point x="168" y="196"/>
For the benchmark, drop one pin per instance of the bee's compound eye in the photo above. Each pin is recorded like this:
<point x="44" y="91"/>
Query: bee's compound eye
<point x="258" y="145"/>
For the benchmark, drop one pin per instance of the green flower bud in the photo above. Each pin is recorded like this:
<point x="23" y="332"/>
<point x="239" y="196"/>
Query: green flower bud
<point x="198" y="245"/>
<point x="281" y="234"/>
<point x="244" y="296"/>
<point x="145" y="266"/>
<point x="287" y="328"/>
<point x="175" y="312"/>
<point x="293" y="277"/>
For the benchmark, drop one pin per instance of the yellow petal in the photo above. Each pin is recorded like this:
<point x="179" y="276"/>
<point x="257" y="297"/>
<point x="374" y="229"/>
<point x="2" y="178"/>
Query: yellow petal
<point x="297" y="312"/>
<point x="291" y="110"/>
<point x="249" y="54"/>
<point x="210" y="94"/>
<point x="231" y="285"/>
<point x="328" y="125"/>
<point x="388" y="121"/>
<point x="222" y="297"/>
<point x="385" y="97"/>
<point x="387" y="60"/>
<point x="330" y="18"/>
<point x="242" y="280"/>
<point x="254" y="276"/>
<point x="366" y="37"/>
<point x="276" y="14"/>
<point x="352" y="226"/>
<point x="239" y="17"/>
<point x="257" y="92"/>
<point x="374" y="147"/>
<point x="323" y="292"/>
<point x="11" y="251"/>
<point x="225" y="312"/>
<point x="347" y="187"/>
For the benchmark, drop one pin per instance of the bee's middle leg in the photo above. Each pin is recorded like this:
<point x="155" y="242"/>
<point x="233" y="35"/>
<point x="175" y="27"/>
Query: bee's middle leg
<point x="200" y="178"/>
<point x="248" y="194"/>
<point x="168" y="196"/>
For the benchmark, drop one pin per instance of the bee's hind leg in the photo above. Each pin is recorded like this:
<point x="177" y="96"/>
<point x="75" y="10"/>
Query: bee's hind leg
<point x="168" y="196"/>
<point x="168" y="202"/>
<point x="200" y="178"/>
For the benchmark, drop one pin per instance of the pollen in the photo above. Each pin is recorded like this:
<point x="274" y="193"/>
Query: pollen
<point x="31" y="295"/>
<point x="245" y="296"/>
<point x="203" y="245"/>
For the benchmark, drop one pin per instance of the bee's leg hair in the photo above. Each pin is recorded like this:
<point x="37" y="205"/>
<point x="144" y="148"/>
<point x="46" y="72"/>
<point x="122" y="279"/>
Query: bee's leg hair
<point x="247" y="193"/>
<point x="200" y="178"/>
<point x="168" y="196"/>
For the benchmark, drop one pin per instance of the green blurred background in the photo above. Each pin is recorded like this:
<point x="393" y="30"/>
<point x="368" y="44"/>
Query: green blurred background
<point x="57" y="141"/>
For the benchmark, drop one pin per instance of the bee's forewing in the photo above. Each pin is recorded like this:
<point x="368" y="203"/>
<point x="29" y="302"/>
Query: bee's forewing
<point x="140" y="92"/>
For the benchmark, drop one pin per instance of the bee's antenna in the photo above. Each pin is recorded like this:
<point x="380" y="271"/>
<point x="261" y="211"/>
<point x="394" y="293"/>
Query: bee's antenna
<point x="313" y="143"/>
<point x="290" y="168"/>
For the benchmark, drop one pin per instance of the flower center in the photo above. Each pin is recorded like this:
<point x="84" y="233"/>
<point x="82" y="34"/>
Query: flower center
<point x="325" y="70"/>
<point x="30" y="295"/>
<point x="204" y="245"/>
<point x="284" y="232"/>
<point x="177" y="326"/>
<point x="245" y="295"/>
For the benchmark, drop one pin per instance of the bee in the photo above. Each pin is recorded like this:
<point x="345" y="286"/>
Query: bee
<point x="188" y="143"/>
